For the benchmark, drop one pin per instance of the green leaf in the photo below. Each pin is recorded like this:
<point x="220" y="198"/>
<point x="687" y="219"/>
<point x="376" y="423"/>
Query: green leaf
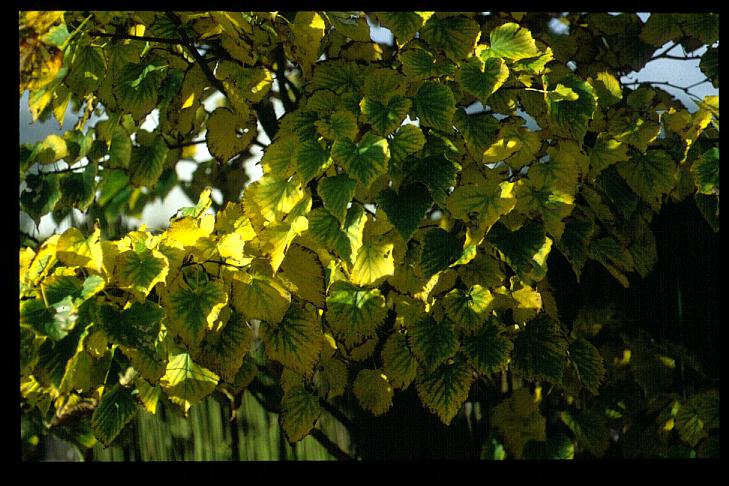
<point x="479" y="131"/>
<point x="562" y="93"/>
<point x="303" y="268"/>
<point x="139" y="272"/>
<point x="406" y="208"/>
<point x="525" y="250"/>
<point x="228" y="133"/>
<point x="338" y="75"/>
<point x="455" y="35"/>
<point x="346" y="241"/>
<point x="483" y="78"/>
<point x="336" y="193"/>
<point x="575" y="241"/>
<point x="385" y="118"/>
<point x="300" y="409"/>
<point x="709" y="208"/>
<point x="296" y="341"/>
<point x="540" y="350"/>
<point x="115" y="410"/>
<point x="366" y="160"/>
<point x="468" y="308"/>
<point x="420" y="64"/>
<point x="697" y="416"/>
<point x="350" y="24"/>
<point x="275" y="197"/>
<point x="185" y="382"/>
<point x="278" y="158"/>
<point x="437" y="172"/>
<point x="136" y="327"/>
<point x="332" y="377"/>
<point x="432" y="342"/>
<point x="434" y="104"/>
<point x="374" y="262"/>
<point x="607" y="89"/>
<point x="88" y="69"/>
<point x="223" y="352"/>
<point x="487" y="351"/>
<point x="407" y="140"/>
<point x="259" y="297"/>
<point x="148" y="162"/>
<point x="588" y="363"/>
<point x="193" y="307"/>
<point x="570" y="117"/>
<point x="650" y="176"/>
<point x="520" y="421"/>
<point x="590" y="430"/>
<point x="488" y="200"/>
<point x="341" y="124"/>
<point x="660" y="28"/>
<point x="77" y="189"/>
<point x="440" y="250"/>
<point x="709" y="65"/>
<point x="46" y="321"/>
<point x="606" y="152"/>
<point x="706" y="172"/>
<point x="41" y="195"/>
<point x="557" y="446"/>
<point x="308" y="29"/>
<point x="511" y="41"/>
<point x="137" y="88"/>
<point x="403" y="25"/>
<point x="311" y="158"/>
<point x="354" y="313"/>
<point x="373" y="391"/>
<point x="444" y="389"/>
<point x="398" y="361"/>
<point x="120" y="149"/>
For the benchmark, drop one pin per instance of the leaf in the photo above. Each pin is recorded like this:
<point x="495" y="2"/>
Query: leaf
<point x="147" y="162"/>
<point x="336" y="193"/>
<point x="88" y="69"/>
<point x="403" y="25"/>
<point x="709" y="208"/>
<point x="440" y="250"/>
<point x="650" y="176"/>
<point x="115" y="410"/>
<point x="420" y="64"/>
<point x="406" y="208"/>
<point x="540" y="350"/>
<point x="338" y="75"/>
<point x="193" y="307"/>
<point x="136" y="327"/>
<point x="351" y="24"/>
<point x="41" y="197"/>
<point x="525" y="250"/>
<point x="706" y="172"/>
<point x="373" y="391"/>
<point x="709" y="65"/>
<point x="275" y="197"/>
<point x="302" y="267"/>
<point x="444" y="389"/>
<point x="488" y="200"/>
<point x="364" y="161"/>
<point x="557" y="446"/>
<point x="608" y="89"/>
<point x="277" y="237"/>
<point x="341" y="124"/>
<point x="570" y="117"/>
<point x="308" y="29"/>
<point x="697" y="416"/>
<point x="228" y="134"/>
<point x="332" y="378"/>
<point x="279" y="156"/>
<point x="296" y="341"/>
<point x="456" y="35"/>
<point x="511" y="41"/>
<point x="374" y="262"/>
<point x="259" y="297"/>
<point x="73" y="249"/>
<point x="137" y="88"/>
<point x="483" y="78"/>
<point x="590" y="430"/>
<point x="479" y="131"/>
<point x="487" y="351"/>
<point x="385" y="118"/>
<point x="398" y="361"/>
<point x="434" y="104"/>
<point x="139" y="272"/>
<point x="519" y="420"/>
<point x="300" y="409"/>
<point x="185" y="382"/>
<point x="346" y="241"/>
<point x="588" y="363"/>
<point x="46" y="321"/>
<point x="437" y="172"/>
<point x="354" y="313"/>
<point x="311" y="160"/>
<point x="469" y="308"/>
<point x="606" y="152"/>
<point x="407" y="140"/>
<point x="432" y="342"/>
<point x="223" y="352"/>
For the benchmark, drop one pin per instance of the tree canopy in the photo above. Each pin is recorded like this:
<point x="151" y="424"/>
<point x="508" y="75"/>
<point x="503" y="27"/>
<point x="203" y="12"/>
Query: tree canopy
<point x="399" y="237"/>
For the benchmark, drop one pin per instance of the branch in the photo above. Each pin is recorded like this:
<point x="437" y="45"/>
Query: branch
<point x="198" y="58"/>
<point x="136" y="38"/>
<point x="185" y="144"/>
<point x="685" y="89"/>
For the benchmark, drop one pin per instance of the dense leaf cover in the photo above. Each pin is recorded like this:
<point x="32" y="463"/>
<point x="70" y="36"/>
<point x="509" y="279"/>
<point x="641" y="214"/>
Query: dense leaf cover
<point x="399" y="236"/>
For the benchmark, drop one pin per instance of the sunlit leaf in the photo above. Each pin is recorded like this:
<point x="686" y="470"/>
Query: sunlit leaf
<point x="455" y="35"/>
<point x="296" y="340"/>
<point x="194" y="306"/>
<point x="373" y="391"/>
<point x="354" y="313"/>
<point x="398" y="361"/>
<point x="185" y="382"/>
<point x="365" y="160"/>
<point x="483" y="78"/>
<point x="336" y="193"/>
<point x="511" y="41"/>
<point x="259" y="297"/>
<point x="435" y="105"/>
<point x="115" y="410"/>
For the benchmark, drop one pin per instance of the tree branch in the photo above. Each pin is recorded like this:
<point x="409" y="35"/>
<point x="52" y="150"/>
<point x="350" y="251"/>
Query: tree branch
<point x="136" y="38"/>
<point x="685" y="89"/>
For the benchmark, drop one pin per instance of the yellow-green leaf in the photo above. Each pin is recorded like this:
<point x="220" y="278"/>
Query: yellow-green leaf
<point x="373" y="391"/>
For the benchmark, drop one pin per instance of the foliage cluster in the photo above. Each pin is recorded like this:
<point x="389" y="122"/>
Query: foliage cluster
<point x="399" y="236"/>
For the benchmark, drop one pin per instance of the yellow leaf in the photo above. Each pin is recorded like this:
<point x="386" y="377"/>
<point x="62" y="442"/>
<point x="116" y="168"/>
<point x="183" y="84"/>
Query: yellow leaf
<point x="75" y="250"/>
<point x="308" y="29"/>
